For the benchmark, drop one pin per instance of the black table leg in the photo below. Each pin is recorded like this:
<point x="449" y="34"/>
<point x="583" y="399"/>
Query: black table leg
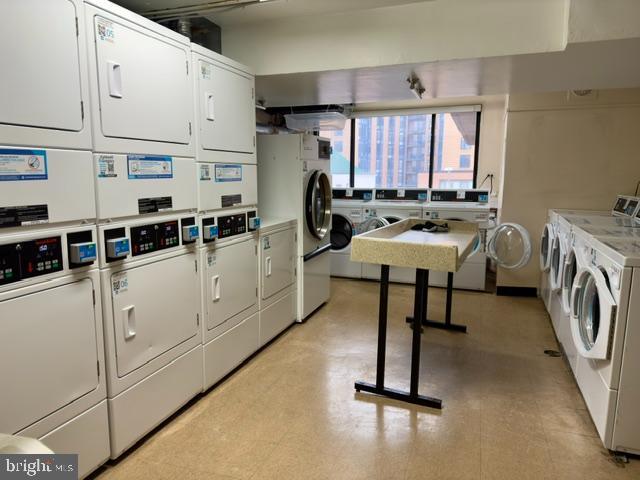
<point x="419" y="308"/>
<point x="447" y="325"/>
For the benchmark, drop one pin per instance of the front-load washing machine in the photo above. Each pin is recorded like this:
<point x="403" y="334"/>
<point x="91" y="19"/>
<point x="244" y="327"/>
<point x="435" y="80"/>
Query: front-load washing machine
<point x="393" y="205"/>
<point x="147" y="228"/>
<point x="229" y="290"/>
<point x="294" y="181"/>
<point x="604" y="309"/>
<point x="351" y="208"/>
<point x="467" y="206"/>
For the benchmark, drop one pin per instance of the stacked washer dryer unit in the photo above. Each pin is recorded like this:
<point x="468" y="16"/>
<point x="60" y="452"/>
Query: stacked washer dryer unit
<point x="605" y="301"/>
<point x="468" y="206"/>
<point x="392" y="205"/>
<point x="144" y="166"/>
<point x="226" y="177"/>
<point x="52" y="366"/>
<point x="351" y="210"/>
<point x="294" y="181"/>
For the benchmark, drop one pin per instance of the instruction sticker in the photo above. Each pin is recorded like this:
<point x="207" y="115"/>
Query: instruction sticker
<point x="19" y="164"/>
<point x="205" y="70"/>
<point x="266" y="243"/>
<point x="211" y="259"/>
<point x="119" y="283"/>
<point x="228" y="173"/>
<point x="104" y="29"/>
<point x="149" y="166"/>
<point x="106" y="166"/>
<point x="349" y="193"/>
<point x="401" y="193"/>
<point x="205" y="172"/>
<point x="461" y="194"/>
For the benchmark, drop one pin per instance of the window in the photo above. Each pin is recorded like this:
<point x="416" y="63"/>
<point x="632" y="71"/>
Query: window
<point x="396" y="151"/>
<point x="340" y="155"/>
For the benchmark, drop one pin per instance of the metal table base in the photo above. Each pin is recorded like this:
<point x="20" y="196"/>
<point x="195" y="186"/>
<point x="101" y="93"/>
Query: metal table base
<point x="419" y="312"/>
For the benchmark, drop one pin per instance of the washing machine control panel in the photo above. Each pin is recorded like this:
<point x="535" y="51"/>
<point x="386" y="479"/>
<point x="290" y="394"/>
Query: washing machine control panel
<point x="22" y="260"/>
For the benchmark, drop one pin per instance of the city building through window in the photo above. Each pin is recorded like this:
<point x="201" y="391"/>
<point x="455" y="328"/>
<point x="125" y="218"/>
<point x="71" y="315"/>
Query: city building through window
<point x="413" y="150"/>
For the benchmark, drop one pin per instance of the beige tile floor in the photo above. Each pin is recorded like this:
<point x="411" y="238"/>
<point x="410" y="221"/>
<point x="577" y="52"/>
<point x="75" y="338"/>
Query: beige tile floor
<point x="510" y="412"/>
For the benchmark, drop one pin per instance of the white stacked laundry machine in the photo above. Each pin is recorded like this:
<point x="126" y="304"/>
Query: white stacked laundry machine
<point x="142" y="113"/>
<point x="294" y="182"/>
<point x="226" y="177"/>
<point x="52" y="362"/>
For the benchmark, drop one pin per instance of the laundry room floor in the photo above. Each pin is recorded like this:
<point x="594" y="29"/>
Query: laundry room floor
<point x="509" y="411"/>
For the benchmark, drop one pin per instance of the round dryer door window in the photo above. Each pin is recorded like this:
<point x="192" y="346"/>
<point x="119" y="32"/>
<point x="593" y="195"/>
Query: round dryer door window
<point x="510" y="246"/>
<point x="545" y="247"/>
<point x="556" y="264"/>
<point x="341" y="232"/>
<point x="569" y="272"/>
<point x="592" y="313"/>
<point x="318" y="204"/>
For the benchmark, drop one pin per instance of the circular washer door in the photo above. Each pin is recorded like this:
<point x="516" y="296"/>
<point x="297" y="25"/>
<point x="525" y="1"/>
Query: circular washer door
<point x="546" y="242"/>
<point x="318" y="204"/>
<point x="510" y="246"/>
<point x="592" y="313"/>
<point x="373" y="223"/>
<point x="569" y="272"/>
<point x="341" y="232"/>
<point x="556" y="262"/>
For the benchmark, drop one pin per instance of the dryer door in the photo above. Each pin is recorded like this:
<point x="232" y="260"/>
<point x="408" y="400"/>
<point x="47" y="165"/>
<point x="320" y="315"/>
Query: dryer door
<point x="593" y="310"/>
<point x="231" y="281"/>
<point x="154" y="309"/>
<point x="48" y="352"/>
<point x="546" y="242"/>
<point x="318" y="204"/>
<point x="510" y="246"/>
<point x="342" y="232"/>
<point x="41" y="57"/>
<point x="278" y="262"/>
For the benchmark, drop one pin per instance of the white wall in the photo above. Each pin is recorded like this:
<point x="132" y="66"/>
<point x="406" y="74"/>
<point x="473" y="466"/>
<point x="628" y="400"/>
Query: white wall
<point x="492" y="129"/>
<point x="593" y="20"/>
<point x="564" y="151"/>
<point x="413" y="33"/>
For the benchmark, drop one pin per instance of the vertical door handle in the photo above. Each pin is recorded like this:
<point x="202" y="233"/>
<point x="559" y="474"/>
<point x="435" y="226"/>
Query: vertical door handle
<point x="268" y="266"/>
<point x="129" y="321"/>
<point x="215" y="288"/>
<point x="115" y="79"/>
<point x="211" y="113"/>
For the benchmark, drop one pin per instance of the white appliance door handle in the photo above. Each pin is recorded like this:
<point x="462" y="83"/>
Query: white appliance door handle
<point x="268" y="266"/>
<point x="575" y="298"/>
<point x="129" y="321"/>
<point x="115" y="79"/>
<point x="215" y="288"/>
<point x="211" y="113"/>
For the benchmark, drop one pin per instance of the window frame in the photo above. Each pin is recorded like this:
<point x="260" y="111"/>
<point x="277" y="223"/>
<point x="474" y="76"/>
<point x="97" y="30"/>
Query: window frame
<point x="422" y="111"/>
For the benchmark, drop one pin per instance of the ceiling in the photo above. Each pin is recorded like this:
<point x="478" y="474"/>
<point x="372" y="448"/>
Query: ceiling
<point x="267" y="11"/>
<point x="593" y="65"/>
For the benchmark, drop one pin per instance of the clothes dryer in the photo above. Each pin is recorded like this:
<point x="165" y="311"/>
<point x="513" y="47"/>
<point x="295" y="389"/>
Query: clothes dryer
<point x="351" y="208"/>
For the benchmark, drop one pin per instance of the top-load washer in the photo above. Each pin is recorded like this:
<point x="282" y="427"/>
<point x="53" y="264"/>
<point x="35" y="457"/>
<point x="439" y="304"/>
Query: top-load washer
<point x="468" y="206"/>
<point x="141" y="84"/>
<point x="294" y="181"/>
<point x="393" y="205"/>
<point x="605" y="299"/>
<point x="351" y="208"/>
<point x="44" y="100"/>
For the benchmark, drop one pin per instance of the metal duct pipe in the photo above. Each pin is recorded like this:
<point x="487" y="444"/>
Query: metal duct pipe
<point x="184" y="27"/>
